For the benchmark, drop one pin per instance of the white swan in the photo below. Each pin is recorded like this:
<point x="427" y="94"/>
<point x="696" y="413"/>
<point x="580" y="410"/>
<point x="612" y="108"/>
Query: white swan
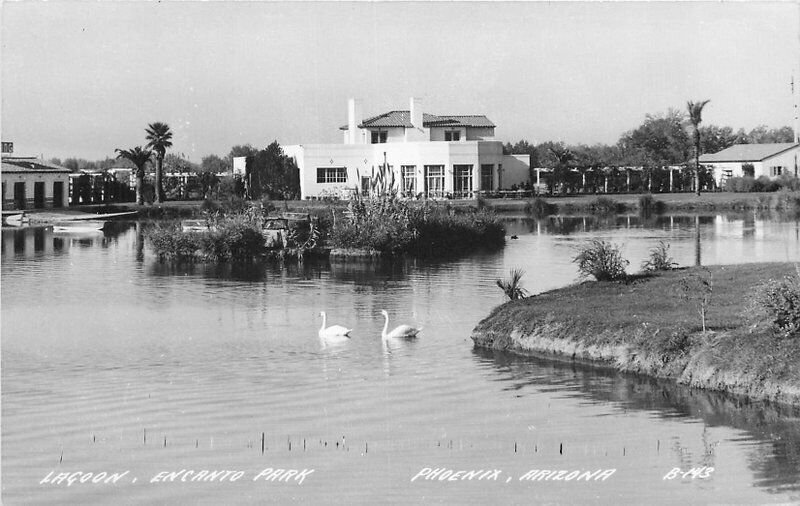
<point x="399" y="331"/>
<point x="334" y="331"/>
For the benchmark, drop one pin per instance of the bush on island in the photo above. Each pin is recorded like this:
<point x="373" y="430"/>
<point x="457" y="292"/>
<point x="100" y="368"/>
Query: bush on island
<point x="392" y="226"/>
<point x="779" y="302"/>
<point x="602" y="260"/>
<point x="659" y="259"/>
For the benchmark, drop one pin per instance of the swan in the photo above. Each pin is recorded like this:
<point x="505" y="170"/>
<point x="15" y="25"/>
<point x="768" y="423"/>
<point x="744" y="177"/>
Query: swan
<point x="334" y="331"/>
<point x="399" y="331"/>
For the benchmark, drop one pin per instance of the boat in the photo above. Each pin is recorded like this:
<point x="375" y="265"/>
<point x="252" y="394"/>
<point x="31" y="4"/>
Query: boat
<point x="15" y="218"/>
<point x="79" y="227"/>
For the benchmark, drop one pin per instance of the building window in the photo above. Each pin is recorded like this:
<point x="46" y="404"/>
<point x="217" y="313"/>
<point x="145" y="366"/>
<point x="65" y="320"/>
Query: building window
<point x="434" y="180"/>
<point x="379" y="137"/>
<point x="462" y="181"/>
<point x="409" y="176"/>
<point x="777" y="170"/>
<point x="454" y="135"/>
<point x="726" y="174"/>
<point x="487" y="177"/>
<point x="331" y="174"/>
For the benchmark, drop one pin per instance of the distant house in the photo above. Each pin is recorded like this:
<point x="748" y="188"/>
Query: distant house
<point x="755" y="160"/>
<point x="31" y="183"/>
<point x="433" y="156"/>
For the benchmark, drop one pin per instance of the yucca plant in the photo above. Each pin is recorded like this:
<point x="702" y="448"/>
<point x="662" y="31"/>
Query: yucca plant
<point x="512" y="287"/>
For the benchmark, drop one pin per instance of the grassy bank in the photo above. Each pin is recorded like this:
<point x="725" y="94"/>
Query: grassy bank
<point x="664" y="202"/>
<point x="644" y="326"/>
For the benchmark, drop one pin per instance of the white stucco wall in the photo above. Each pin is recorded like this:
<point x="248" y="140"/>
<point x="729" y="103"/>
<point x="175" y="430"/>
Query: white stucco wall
<point x="361" y="160"/>
<point x="29" y="178"/>
<point x="437" y="133"/>
<point x="480" y="134"/>
<point x="239" y="165"/>
<point x="788" y="160"/>
<point x="516" y="170"/>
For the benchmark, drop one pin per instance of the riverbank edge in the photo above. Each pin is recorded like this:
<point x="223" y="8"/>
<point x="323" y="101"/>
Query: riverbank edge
<point x="617" y="348"/>
<point x="565" y="205"/>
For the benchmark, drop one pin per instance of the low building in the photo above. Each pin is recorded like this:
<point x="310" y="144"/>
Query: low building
<point x="754" y="160"/>
<point x="31" y="183"/>
<point x="426" y="155"/>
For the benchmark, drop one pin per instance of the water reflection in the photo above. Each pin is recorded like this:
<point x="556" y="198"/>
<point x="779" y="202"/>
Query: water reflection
<point x="775" y="463"/>
<point x="29" y="242"/>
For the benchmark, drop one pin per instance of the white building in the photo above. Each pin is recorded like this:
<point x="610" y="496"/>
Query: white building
<point x="31" y="183"/>
<point x="433" y="156"/>
<point x="756" y="160"/>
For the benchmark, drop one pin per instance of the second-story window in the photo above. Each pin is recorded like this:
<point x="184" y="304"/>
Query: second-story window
<point x="452" y="136"/>
<point x="378" y="137"/>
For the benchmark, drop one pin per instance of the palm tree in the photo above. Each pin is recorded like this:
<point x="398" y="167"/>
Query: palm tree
<point x="159" y="139"/>
<point x="139" y="157"/>
<point x="562" y="156"/>
<point x="695" y="117"/>
<point x="511" y="287"/>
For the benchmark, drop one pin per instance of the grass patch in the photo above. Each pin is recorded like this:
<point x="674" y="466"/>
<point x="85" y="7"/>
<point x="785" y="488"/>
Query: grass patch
<point x="661" y="330"/>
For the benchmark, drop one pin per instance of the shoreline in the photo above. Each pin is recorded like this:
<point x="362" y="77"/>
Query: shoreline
<point x="646" y="329"/>
<point x="564" y="205"/>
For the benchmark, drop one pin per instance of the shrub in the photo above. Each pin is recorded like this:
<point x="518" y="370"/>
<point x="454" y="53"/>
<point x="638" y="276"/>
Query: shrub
<point x="539" y="207"/>
<point x="789" y="182"/>
<point x="233" y="239"/>
<point x="605" y="205"/>
<point x="173" y="244"/>
<point x="787" y="201"/>
<point x="740" y="184"/>
<point x="511" y="287"/>
<point x="388" y="225"/>
<point x="765" y="184"/>
<point x="659" y="259"/>
<point x="780" y="302"/>
<point x="648" y="205"/>
<point x="602" y="260"/>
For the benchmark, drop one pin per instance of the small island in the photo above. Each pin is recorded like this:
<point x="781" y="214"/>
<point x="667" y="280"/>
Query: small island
<point x="653" y="324"/>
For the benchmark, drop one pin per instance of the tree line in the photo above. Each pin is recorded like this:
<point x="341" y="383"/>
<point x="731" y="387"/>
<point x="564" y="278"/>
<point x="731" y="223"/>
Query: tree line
<point x="662" y="140"/>
<point x="269" y="172"/>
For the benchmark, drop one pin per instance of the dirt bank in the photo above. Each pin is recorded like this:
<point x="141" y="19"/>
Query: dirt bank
<point x="643" y="326"/>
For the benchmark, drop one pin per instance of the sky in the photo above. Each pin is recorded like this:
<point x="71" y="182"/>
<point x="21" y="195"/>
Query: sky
<point x="81" y="78"/>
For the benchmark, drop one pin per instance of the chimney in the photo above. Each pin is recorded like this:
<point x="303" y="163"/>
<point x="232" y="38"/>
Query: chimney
<point x="353" y="120"/>
<point x="415" y="109"/>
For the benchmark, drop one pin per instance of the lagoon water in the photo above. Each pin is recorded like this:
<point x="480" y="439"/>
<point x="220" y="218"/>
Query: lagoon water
<point x="115" y="363"/>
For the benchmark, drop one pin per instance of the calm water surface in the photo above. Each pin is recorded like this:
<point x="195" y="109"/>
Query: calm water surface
<point x="114" y="362"/>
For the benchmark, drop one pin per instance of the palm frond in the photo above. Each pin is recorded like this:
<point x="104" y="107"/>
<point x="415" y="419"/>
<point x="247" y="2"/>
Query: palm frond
<point x="511" y="287"/>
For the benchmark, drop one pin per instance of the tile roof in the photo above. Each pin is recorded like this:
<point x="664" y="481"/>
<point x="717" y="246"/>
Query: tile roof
<point x="403" y="119"/>
<point x="26" y="164"/>
<point x="747" y="152"/>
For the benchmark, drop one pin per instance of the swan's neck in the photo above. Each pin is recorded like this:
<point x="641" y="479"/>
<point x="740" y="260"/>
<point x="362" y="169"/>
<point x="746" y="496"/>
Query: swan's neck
<point x="385" y="325"/>
<point x="323" y="322"/>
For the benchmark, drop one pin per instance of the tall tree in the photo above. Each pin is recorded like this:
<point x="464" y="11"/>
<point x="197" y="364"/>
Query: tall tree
<point x="213" y="163"/>
<point x="695" y="117"/>
<point x="139" y="157"/>
<point x="660" y="141"/>
<point x="273" y="174"/>
<point x="159" y="138"/>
